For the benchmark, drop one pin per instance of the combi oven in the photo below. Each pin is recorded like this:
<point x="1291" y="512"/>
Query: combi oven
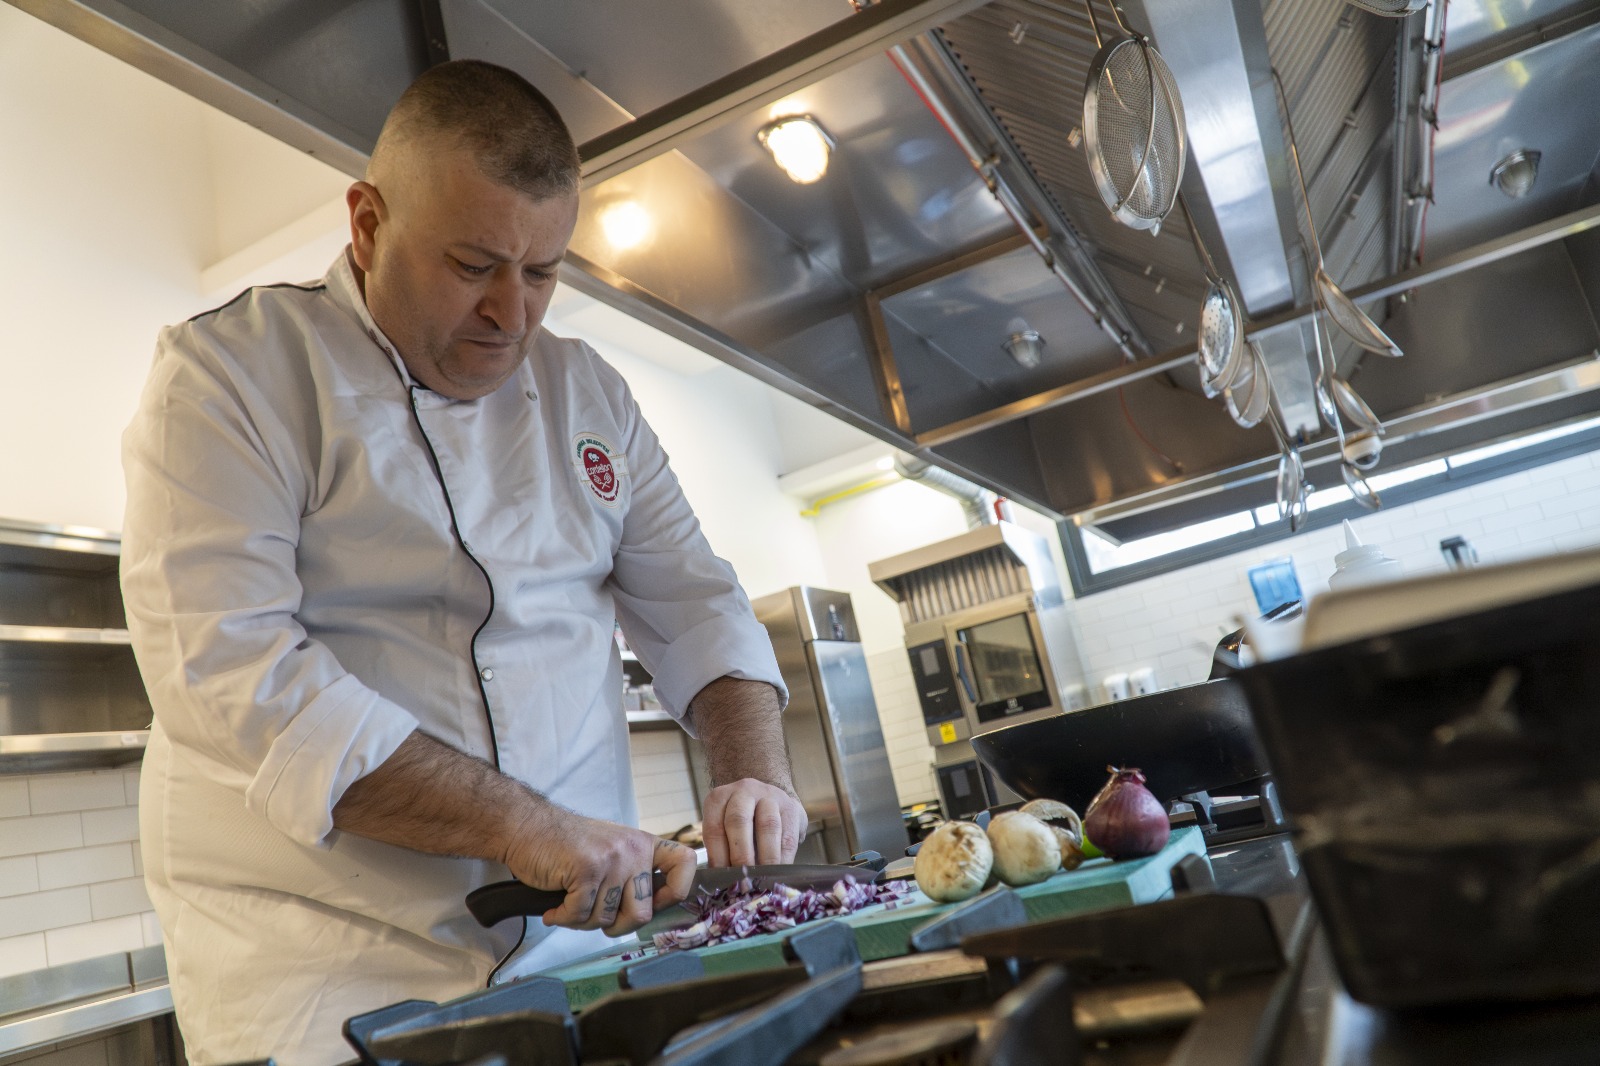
<point x="991" y="642"/>
<point x="983" y="666"/>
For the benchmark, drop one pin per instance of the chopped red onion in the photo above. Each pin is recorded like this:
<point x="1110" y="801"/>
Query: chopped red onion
<point x="741" y="910"/>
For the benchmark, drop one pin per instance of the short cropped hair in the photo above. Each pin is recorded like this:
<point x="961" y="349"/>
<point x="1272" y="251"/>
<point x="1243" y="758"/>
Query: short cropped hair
<point x="512" y="130"/>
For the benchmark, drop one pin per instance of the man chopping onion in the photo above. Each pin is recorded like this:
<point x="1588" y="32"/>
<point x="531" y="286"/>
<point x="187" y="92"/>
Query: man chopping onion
<point x="379" y="531"/>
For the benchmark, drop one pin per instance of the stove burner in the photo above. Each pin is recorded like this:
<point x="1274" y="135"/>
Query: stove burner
<point x="1058" y="991"/>
<point x="933" y="1044"/>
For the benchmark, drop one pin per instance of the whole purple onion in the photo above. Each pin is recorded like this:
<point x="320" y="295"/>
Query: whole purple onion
<point x="1124" y="820"/>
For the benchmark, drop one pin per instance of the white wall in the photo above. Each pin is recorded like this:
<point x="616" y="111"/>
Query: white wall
<point x="1172" y="622"/>
<point x="105" y="192"/>
<point x="259" y="186"/>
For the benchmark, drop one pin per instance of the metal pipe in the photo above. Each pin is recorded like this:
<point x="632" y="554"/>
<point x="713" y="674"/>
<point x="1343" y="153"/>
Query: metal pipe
<point x="1426" y="123"/>
<point x="985" y="163"/>
<point x="1404" y="62"/>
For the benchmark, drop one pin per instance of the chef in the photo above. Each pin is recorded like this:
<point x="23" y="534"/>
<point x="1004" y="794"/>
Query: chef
<point x="379" y="532"/>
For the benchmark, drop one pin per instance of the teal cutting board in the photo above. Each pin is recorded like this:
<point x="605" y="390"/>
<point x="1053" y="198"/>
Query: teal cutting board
<point x="882" y="934"/>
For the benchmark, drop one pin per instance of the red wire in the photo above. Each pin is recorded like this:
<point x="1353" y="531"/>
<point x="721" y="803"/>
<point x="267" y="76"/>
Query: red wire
<point x="1127" y="414"/>
<point x="927" y="103"/>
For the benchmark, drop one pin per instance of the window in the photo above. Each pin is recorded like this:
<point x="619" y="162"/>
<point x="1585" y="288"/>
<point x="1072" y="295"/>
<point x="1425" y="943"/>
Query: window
<point x="1101" y="557"/>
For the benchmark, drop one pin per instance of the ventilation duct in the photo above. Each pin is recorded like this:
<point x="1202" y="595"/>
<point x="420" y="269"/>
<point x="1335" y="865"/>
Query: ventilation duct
<point x="976" y="503"/>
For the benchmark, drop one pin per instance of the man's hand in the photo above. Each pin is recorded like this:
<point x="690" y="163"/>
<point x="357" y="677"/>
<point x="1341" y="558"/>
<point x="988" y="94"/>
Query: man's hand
<point x="432" y="798"/>
<point x="752" y="815"/>
<point x="605" y="868"/>
<point x="750" y="821"/>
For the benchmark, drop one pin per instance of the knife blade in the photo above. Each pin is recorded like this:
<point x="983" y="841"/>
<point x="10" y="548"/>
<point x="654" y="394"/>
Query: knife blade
<point x="494" y="903"/>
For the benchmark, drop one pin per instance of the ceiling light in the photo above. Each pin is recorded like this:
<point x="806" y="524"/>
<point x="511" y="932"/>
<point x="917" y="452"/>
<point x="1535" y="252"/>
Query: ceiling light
<point x="626" y="224"/>
<point x="1025" y="346"/>
<point x="1514" y="175"/>
<point x="799" y="146"/>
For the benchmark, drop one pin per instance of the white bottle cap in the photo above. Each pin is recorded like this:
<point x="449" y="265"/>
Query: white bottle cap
<point x="1361" y="564"/>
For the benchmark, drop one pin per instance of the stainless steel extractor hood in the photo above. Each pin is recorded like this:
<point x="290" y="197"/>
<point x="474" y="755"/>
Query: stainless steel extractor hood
<point x="886" y="292"/>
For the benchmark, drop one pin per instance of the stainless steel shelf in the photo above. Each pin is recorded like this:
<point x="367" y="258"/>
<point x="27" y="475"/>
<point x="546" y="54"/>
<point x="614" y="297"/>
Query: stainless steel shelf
<point x="81" y="1019"/>
<point x="58" y="547"/>
<point x="63" y="635"/>
<point x="30" y="753"/>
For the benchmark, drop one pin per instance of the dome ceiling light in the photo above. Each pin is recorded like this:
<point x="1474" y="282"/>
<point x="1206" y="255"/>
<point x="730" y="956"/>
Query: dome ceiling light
<point x="799" y="145"/>
<point x="1026" y="347"/>
<point x="1515" y="174"/>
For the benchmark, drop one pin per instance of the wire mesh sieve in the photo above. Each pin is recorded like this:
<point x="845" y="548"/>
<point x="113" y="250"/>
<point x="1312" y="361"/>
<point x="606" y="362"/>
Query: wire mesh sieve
<point x="1133" y="129"/>
<point x="1390" y="8"/>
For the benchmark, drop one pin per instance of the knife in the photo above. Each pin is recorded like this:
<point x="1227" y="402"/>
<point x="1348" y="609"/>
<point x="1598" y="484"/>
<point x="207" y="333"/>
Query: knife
<point x="494" y="903"/>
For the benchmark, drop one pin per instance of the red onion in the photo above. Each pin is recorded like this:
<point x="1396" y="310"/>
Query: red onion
<point x="742" y="909"/>
<point x="1124" y="820"/>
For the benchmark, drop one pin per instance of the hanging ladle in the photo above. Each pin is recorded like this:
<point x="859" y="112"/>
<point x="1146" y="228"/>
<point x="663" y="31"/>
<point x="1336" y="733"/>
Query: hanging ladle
<point x="1327" y="390"/>
<point x="1350" y="319"/>
<point x="1291" y="479"/>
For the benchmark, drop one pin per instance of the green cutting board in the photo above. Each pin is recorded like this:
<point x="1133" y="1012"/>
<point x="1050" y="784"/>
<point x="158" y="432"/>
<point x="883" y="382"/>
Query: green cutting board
<point x="882" y="934"/>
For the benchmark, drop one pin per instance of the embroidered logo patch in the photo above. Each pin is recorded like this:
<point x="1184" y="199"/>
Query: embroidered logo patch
<point x="599" y="465"/>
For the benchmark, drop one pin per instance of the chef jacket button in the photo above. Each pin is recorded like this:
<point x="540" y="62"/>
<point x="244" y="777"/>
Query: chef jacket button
<point x="531" y="396"/>
<point x="486" y="673"/>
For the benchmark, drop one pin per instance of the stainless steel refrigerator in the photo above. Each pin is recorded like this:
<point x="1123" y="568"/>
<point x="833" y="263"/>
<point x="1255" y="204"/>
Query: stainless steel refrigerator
<point x="841" y="770"/>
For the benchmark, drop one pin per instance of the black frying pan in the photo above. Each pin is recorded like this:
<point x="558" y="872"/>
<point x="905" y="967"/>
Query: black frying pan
<point x="1191" y="739"/>
<point x="1198" y="738"/>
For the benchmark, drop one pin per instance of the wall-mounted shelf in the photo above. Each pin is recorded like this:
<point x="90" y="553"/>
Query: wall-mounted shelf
<point x="33" y="753"/>
<point x="73" y="698"/>
<point x="63" y="635"/>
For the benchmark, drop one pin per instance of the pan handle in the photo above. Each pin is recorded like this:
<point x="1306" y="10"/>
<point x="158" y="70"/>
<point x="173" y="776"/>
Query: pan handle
<point x="962" y="672"/>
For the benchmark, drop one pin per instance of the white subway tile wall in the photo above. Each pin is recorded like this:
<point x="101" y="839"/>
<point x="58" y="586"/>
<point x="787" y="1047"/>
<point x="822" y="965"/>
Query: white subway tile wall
<point x="70" y="876"/>
<point x="904" y="735"/>
<point x="661" y="781"/>
<point x="1172" y="622"/>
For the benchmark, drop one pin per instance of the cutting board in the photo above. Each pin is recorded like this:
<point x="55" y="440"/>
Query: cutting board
<point x="882" y="934"/>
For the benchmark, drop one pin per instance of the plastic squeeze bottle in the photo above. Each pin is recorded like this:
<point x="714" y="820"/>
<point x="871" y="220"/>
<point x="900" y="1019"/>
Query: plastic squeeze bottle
<point x="1361" y="564"/>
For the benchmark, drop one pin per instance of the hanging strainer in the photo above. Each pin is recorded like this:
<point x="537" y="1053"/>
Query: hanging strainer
<point x="1133" y="127"/>
<point x="1221" y="333"/>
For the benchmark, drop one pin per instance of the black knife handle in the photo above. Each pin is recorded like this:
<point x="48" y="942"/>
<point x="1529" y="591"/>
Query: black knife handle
<point x="493" y="904"/>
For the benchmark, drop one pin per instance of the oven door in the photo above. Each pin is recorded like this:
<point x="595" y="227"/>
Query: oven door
<point x="1002" y="667"/>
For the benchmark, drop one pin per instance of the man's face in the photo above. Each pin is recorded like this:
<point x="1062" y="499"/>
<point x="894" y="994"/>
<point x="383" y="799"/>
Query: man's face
<point x="459" y="269"/>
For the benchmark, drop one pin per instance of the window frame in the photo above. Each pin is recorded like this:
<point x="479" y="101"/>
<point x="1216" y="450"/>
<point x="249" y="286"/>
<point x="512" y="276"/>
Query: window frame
<point x="1087" y="583"/>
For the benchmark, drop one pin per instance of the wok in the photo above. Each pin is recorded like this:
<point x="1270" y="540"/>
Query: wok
<point x="1191" y="739"/>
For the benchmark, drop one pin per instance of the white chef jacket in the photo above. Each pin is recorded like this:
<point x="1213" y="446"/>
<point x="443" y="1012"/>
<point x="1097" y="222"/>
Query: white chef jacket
<point x="321" y="556"/>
